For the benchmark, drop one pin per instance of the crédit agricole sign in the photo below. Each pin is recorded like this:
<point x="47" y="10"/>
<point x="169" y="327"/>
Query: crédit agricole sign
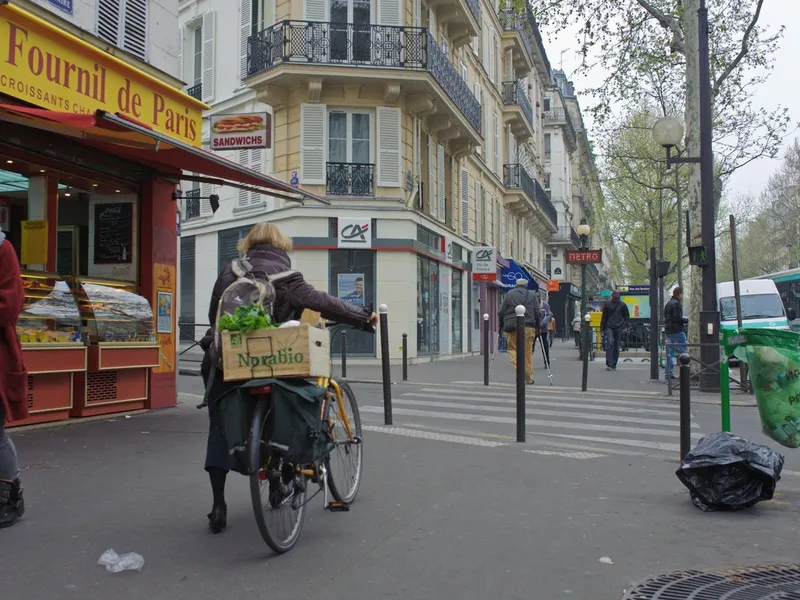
<point x="58" y="72"/>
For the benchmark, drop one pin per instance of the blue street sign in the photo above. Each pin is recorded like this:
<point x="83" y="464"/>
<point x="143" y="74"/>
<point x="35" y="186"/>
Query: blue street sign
<point x="65" y="5"/>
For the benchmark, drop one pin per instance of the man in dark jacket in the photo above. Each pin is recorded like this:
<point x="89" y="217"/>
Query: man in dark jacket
<point x="508" y="320"/>
<point x="615" y="317"/>
<point x="674" y="328"/>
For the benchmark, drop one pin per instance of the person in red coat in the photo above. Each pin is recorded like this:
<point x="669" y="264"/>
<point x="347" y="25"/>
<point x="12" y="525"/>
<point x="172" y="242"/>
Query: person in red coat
<point x="13" y="382"/>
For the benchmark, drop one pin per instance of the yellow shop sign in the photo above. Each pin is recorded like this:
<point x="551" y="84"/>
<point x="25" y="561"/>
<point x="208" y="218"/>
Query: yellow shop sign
<point x="57" y="71"/>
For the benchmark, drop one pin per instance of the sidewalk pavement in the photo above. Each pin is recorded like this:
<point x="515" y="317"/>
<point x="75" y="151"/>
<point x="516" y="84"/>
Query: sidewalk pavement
<point x="434" y="519"/>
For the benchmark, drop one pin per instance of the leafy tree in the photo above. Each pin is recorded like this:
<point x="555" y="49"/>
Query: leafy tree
<point x="637" y="43"/>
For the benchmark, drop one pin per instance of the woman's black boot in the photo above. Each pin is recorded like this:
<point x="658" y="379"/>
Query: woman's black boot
<point x="218" y="517"/>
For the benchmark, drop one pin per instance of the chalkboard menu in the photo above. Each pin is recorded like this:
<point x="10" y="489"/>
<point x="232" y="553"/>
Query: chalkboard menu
<point x="113" y="233"/>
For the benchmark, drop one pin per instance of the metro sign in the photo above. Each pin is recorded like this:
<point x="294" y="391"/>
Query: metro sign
<point x="584" y="257"/>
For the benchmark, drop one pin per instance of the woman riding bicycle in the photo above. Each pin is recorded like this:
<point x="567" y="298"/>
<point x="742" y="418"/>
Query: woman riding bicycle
<point x="267" y="250"/>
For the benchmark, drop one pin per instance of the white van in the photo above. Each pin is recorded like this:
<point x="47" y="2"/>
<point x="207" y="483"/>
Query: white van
<point x="761" y="305"/>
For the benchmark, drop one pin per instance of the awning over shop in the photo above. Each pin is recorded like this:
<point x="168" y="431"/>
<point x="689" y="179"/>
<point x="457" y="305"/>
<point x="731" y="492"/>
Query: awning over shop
<point x="172" y="158"/>
<point x="514" y="271"/>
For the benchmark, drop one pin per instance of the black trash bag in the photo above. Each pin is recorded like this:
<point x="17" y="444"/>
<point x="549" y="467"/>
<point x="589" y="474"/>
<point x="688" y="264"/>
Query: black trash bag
<point x="726" y="472"/>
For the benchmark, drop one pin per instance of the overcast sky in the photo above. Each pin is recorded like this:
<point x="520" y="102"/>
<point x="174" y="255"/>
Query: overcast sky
<point x="781" y="88"/>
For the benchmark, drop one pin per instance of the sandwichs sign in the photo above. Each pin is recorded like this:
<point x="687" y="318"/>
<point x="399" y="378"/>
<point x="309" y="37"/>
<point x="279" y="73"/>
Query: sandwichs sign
<point x="241" y="132"/>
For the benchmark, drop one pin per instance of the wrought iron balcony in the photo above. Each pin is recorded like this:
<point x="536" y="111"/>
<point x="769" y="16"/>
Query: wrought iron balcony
<point x="196" y="91"/>
<point x="516" y="95"/>
<point x="360" y="46"/>
<point x="192" y="204"/>
<point x="350" y="179"/>
<point x="543" y="198"/>
<point x="560" y="116"/>
<point x="567" y="234"/>
<point x="526" y="26"/>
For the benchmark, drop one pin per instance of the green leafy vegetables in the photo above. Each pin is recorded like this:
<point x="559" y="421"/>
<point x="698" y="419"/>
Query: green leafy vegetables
<point x="246" y="319"/>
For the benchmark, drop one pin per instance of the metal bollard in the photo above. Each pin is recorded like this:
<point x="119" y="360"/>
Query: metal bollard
<point x="521" y="358"/>
<point x="486" y="349"/>
<point x="405" y="357"/>
<point x="685" y="405"/>
<point x="383" y="311"/>
<point x="587" y="340"/>
<point x="344" y="354"/>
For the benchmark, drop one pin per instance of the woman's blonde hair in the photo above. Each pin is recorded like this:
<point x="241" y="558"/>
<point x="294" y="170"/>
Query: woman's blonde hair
<point x="267" y="234"/>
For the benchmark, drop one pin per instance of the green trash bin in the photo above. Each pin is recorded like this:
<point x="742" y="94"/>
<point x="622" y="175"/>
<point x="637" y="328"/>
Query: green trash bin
<point x="773" y="359"/>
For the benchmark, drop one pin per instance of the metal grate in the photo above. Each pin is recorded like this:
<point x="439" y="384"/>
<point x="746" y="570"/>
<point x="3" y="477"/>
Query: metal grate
<point x="771" y="582"/>
<point x="101" y="386"/>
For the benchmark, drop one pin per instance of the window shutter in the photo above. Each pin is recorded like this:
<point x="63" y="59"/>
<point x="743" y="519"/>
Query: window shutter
<point x="479" y="149"/>
<point x="497" y="143"/>
<point x="313" y="138"/>
<point x="491" y="65"/>
<point x="245" y="14"/>
<point x="440" y="182"/>
<point x="389" y="12"/>
<point x="108" y="21"/>
<point x="464" y="202"/>
<point x="433" y="207"/>
<point x="315" y="10"/>
<point x="206" y="189"/>
<point x="244" y="195"/>
<point x="134" y="32"/>
<point x="478" y="215"/>
<point x="209" y="20"/>
<point x="257" y="164"/>
<point x="390" y="157"/>
<point x="181" y="42"/>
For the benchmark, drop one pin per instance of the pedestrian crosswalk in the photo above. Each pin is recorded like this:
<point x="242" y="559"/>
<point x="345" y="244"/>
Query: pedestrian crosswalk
<point x="557" y="418"/>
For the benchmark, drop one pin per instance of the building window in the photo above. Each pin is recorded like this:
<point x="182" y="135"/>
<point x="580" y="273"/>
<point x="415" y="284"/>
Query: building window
<point x="228" y="241"/>
<point x="548" y="264"/>
<point x="548" y="141"/>
<point x="429" y="238"/>
<point x="352" y="278"/>
<point x="187" y="283"/>
<point x="350" y="169"/>
<point x="547" y="181"/>
<point x="546" y="104"/>
<point x="262" y="15"/>
<point x="123" y="23"/>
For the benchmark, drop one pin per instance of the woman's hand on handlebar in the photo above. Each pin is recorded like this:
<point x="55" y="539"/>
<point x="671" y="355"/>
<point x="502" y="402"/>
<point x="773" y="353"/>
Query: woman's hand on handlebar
<point x="373" y="319"/>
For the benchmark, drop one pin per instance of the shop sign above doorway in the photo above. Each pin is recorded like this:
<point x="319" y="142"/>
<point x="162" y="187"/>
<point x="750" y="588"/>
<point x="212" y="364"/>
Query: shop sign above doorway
<point x="354" y="233"/>
<point x="241" y="131"/>
<point x="65" y="5"/>
<point x="484" y="265"/>
<point x="55" y="70"/>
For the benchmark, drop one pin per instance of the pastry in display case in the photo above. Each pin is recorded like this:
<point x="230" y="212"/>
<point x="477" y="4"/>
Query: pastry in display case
<point x="50" y="314"/>
<point x="112" y="311"/>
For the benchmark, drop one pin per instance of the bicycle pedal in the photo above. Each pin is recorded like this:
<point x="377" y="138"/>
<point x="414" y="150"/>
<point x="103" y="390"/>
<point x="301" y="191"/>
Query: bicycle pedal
<point x="339" y="507"/>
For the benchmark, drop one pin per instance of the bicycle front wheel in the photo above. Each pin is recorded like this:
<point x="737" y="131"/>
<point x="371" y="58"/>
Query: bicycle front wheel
<point x="277" y="488"/>
<point x="345" y="462"/>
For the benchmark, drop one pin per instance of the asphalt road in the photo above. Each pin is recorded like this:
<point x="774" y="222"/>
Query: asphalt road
<point x="440" y="515"/>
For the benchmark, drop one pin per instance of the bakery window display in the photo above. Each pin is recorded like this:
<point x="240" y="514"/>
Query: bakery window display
<point x="113" y="311"/>
<point x="50" y="314"/>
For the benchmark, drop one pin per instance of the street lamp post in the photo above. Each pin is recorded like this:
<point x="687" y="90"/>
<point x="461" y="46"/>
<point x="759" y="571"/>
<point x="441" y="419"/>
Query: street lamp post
<point x="668" y="132"/>
<point x="583" y="232"/>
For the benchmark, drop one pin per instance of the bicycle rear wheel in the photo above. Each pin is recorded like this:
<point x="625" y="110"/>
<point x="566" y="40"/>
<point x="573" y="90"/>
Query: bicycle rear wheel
<point x="345" y="462"/>
<point x="277" y="489"/>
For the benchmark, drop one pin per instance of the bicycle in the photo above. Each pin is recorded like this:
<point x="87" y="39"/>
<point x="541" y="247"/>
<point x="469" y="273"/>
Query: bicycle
<point x="287" y="482"/>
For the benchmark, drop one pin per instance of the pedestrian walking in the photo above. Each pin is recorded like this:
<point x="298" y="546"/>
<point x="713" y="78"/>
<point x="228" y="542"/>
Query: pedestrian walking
<point x="674" y="329"/>
<point x="544" y="331"/>
<point x="533" y="316"/>
<point x="576" y="330"/>
<point x="13" y="382"/>
<point x="615" y="317"/>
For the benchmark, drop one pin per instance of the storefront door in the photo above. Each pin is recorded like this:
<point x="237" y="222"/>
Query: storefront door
<point x="457" y="311"/>
<point x="352" y="278"/>
<point x="427" y="306"/>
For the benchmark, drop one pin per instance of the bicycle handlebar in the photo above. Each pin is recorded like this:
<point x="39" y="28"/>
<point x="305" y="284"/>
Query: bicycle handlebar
<point x="368" y="327"/>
